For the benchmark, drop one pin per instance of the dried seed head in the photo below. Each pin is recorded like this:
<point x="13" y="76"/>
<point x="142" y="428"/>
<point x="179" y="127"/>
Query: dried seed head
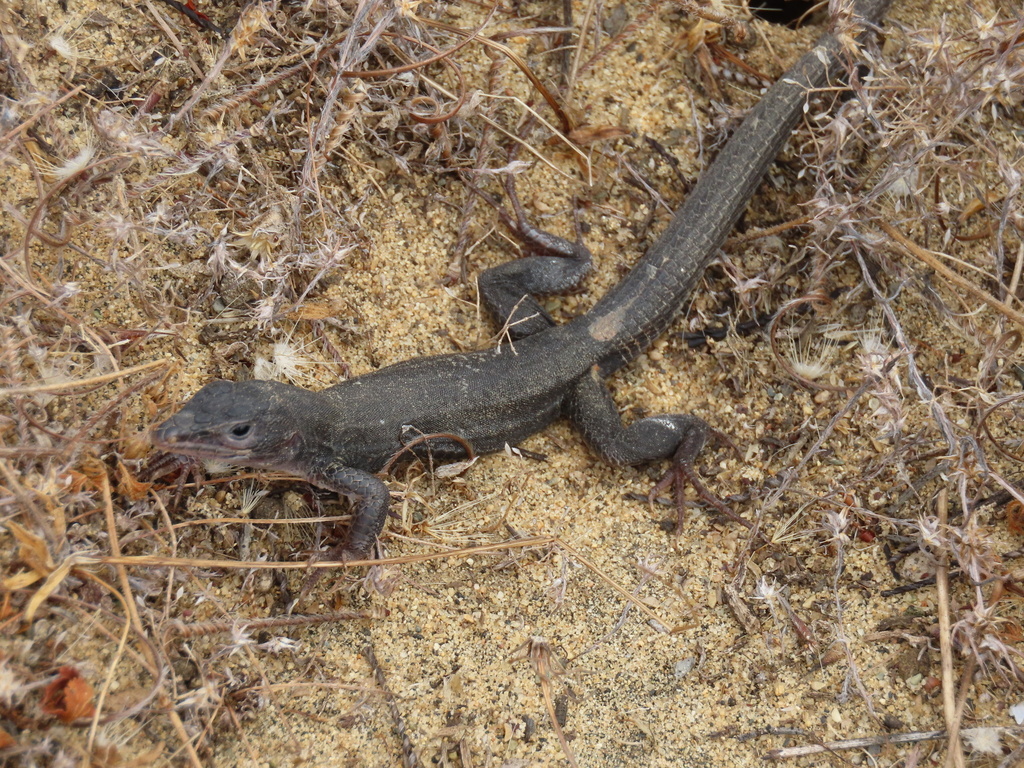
<point x="254" y="20"/>
<point x="930" y="535"/>
<point x="980" y="633"/>
<point x="263" y="237"/>
<point x="986" y="741"/>
<point x="286" y="363"/>
<point x="63" y="47"/>
<point x="250" y="497"/>
<point x="75" y="165"/>
<point x="12" y="687"/>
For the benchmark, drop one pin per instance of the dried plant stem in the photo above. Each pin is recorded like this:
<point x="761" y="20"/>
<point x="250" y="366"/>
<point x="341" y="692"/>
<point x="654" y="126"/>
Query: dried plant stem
<point x="954" y="754"/>
<point x="109" y="678"/>
<point x="125" y="596"/>
<point x="409" y="757"/>
<point x="133" y="618"/>
<point x="168" y="526"/>
<point x="162" y="23"/>
<point x="91" y="381"/>
<point x="35" y="117"/>
<point x="568" y="124"/>
<point x="531" y="149"/>
<point x="213" y="74"/>
<point x="547" y="667"/>
<point x="869" y="741"/>
<point x="121" y="570"/>
<point x="152" y="561"/>
<point x="577" y="555"/>
<point x="929" y="258"/>
<point x="970" y="667"/>
<point x="186" y="631"/>
<point x="757" y="234"/>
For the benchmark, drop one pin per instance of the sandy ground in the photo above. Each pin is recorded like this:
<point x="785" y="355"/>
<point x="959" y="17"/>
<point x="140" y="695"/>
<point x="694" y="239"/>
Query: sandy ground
<point x="470" y="645"/>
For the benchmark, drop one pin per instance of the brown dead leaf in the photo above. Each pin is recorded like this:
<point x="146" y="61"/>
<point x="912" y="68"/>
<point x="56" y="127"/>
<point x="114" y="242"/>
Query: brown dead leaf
<point x="128" y="486"/>
<point x="32" y="551"/>
<point x="137" y="445"/>
<point x="105" y="756"/>
<point x="95" y="470"/>
<point x="78" y="481"/>
<point x="69" y="697"/>
<point x="1010" y="633"/>
<point x="1015" y="518"/>
<point x="318" y="310"/>
<point x="45" y="162"/>
<point x="6" y="740"/>
<point x="591" y="134"/>
<point x="54" y="580"/>
<point x="977" y="205"/>
<point x="6" y="611"/>
<point x="75" y="481"/>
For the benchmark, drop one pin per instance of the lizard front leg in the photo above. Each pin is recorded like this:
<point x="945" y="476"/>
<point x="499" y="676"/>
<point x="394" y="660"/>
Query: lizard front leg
<point x="371" y="502"/>
<point x="507" y="290"/>
<point x="679" y="437"/>
<point x="370" y="499"/>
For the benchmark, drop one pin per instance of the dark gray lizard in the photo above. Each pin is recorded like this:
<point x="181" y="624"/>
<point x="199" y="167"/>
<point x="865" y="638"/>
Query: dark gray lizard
<point x="338" y="437"/>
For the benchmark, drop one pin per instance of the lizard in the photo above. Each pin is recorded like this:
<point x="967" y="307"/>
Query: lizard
<point x="339" y="437"/>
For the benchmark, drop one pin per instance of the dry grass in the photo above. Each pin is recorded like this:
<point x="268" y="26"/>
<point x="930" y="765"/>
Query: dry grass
<point x="179" y="207"/>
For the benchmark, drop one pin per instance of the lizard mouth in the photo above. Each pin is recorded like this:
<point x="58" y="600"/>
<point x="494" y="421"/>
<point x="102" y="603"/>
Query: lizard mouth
<point x="199" y="450"/>
<point x="169" y="437"/>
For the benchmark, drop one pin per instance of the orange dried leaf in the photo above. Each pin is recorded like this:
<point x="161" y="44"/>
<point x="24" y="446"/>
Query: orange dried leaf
<point x="977" y="205"/>
<point x="32" y="549"/>
<point x="700" y="33"/>
<point x="1015" y="518"/>
<point x="106" y="756"/>
<point x="318" y="310"/>
<point x="128" y="486"/>
<point x="590" y="134"/>
<point x="69" y="697"/>
<point x="137" y="445"/>
<point x="53" y="581"/>
<point x="6" y="611"/>
<point x="6" y="740"/>
<point x="1011" y="633"/>
<point x="20" y="580"/>
<point x="95" y="470"/>
<point x="78" y="481"/>
<point x="313" y="311"/>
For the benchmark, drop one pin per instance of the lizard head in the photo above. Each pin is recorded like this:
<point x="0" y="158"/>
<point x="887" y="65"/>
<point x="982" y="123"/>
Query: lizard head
<point x="249" y="423"/>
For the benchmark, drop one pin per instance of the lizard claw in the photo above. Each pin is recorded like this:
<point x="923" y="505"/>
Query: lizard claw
<point x="681" y="474"/>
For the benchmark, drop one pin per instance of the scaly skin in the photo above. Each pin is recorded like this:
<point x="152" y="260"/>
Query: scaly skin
<point x="339" y="437"/>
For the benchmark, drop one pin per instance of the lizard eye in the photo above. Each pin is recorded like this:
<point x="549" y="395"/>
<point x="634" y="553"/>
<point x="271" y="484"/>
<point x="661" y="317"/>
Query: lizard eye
<point x="241" y="430"/>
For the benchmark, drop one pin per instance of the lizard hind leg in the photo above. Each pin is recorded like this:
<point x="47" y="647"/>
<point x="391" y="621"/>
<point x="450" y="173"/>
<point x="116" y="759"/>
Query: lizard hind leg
<point x="556" y="265"/>
<point x="678" y="437"/>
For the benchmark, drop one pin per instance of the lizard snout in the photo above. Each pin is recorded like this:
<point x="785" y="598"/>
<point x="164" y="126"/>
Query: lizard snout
<point x="170" y="432"/>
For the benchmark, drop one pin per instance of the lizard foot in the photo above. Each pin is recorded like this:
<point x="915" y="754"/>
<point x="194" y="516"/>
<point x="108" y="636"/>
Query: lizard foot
<point x="682" y="473"/>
